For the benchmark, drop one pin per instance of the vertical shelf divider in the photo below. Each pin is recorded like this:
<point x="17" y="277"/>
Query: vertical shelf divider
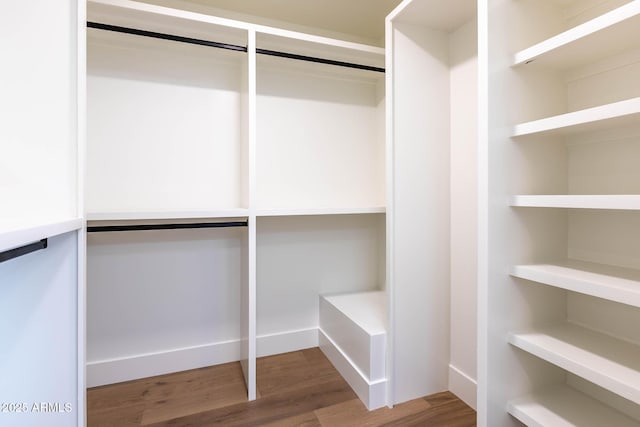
<point x="249" y="353"/>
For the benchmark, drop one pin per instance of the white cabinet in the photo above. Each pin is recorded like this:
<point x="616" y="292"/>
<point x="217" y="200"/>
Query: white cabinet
<point x="559" y="188"/>
<point x="41" y="230"/>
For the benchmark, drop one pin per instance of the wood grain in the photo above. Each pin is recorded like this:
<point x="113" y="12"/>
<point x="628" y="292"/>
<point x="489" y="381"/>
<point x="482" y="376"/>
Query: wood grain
<point x="296" y="389"/>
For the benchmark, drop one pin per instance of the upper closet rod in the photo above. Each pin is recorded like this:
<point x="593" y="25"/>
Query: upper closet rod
<point x="229" y="46"/>
<point x="144" y="227"/>
<point x="164" y="36"/>
<point x="23" y="250"/>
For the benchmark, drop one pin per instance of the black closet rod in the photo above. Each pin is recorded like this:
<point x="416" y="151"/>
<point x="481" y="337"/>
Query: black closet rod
<point x="145" y="227"/>
<point x="164" y="36"/>
<point x="23" y="250"/>
<point x="229" y="46"/>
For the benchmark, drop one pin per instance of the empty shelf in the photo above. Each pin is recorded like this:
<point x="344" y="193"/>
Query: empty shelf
<point x="590" y="119"/>
<point x="618" y="30"/>
<point x="606" y="361"/>
<point x="563" y="406"/>
<point x="603" y="281"/>
<point x="579" y="201"/>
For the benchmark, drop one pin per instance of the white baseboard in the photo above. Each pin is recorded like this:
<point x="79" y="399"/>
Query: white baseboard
<point x="284" y="342"/>
<point x="463" y="386"/>
<point x="372" y="393"/>
<point x="111" y="371"/>
<point x="120" y="369"/>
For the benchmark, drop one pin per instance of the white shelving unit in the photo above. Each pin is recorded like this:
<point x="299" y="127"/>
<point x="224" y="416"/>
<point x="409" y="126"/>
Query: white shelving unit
<point x="560" y="106"/>
<point x="182" y="133"/>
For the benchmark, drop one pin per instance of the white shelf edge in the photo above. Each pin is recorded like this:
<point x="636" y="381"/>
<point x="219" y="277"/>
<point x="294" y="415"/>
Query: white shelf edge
<point x="577" y="33"/>
<point x="605" y="361"/>
<point x="607" y="201"/>
<point x="590" y="116"/>
<point x="240" y="25"/>
<point x="563" y="406"/>
<point x="611" y="283"/>
<point x="320" y="211"/>
<point x="134" y="216"/>
<point x="17" y="235"/>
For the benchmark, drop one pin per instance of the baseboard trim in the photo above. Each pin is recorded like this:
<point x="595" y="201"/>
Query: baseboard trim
<point x="110" y="371"/>
<point x="372" y="393"/>
<point x="463" y="386"/>
<point x="284" y="342"/>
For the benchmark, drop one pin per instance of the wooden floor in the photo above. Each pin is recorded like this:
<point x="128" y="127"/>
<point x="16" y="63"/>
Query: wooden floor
<point x="295" y="389"/>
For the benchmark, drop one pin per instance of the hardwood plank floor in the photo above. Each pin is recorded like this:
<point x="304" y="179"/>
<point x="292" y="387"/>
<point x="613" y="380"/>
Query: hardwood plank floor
<point x="295" y="389"/>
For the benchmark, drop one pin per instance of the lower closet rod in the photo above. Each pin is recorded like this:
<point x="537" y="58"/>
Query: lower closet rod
<point x="23" y="250"/>
<point x="144" y="227"/>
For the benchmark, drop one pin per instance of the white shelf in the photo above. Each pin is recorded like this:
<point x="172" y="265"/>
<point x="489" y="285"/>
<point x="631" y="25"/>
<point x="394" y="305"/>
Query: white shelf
<point x="618" y="30"/>
<point x="563" y="406"/>
<point x="607" y="201"/>
<point x="596" y="118"/>
<point x="603" y="281"/>
<point x="321" y="211"/>
<point x="141" y="216"/>
<point x="19" y="233"/>
<point x="608" y="362"/>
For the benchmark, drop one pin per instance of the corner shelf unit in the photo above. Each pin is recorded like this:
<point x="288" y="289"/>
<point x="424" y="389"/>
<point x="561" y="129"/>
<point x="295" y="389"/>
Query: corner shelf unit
<point x="195" y="118"/>
<point x="560" y="276"/>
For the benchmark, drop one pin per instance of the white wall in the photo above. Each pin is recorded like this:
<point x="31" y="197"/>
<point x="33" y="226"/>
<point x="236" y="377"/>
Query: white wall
<point x="464" y="193"/>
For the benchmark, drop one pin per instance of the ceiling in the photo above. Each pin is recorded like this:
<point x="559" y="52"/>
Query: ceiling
<point x="363" y="19"/>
